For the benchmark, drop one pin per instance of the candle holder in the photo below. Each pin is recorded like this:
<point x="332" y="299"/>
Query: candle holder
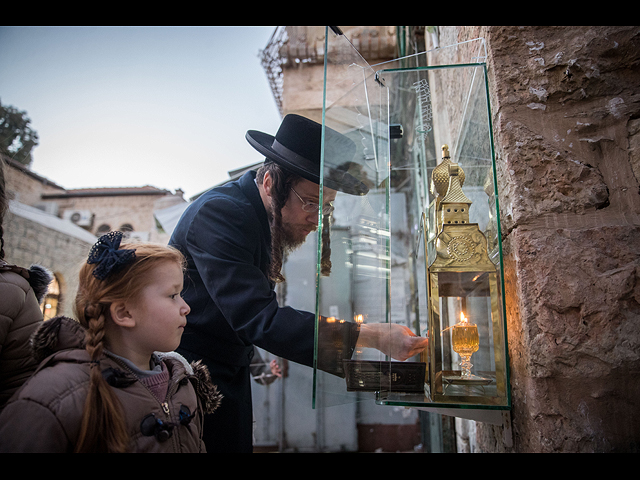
<point x="463" y="285"/>
<point x="465" y="342"/>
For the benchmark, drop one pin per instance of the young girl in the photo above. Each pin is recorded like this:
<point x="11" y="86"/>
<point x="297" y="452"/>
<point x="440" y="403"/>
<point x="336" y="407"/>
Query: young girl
<point x="101" y="385"/>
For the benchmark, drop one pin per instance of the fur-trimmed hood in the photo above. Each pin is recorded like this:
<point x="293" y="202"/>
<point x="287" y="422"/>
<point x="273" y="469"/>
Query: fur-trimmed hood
<point x="38" y="277"/>
<point x="59" y="333"/>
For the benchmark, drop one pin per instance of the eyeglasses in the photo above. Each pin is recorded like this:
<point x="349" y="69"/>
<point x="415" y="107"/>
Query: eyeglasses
<point x="313" y="207"/>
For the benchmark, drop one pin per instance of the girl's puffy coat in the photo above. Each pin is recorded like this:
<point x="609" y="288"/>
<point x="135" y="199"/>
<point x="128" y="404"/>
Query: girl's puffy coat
<point x="46" y="413"/>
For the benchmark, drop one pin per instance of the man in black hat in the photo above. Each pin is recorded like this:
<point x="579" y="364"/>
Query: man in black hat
<point x="233" y="238"/>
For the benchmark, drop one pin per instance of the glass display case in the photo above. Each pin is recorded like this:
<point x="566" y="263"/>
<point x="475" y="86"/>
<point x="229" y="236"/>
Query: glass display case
<point x="415" y="244"/>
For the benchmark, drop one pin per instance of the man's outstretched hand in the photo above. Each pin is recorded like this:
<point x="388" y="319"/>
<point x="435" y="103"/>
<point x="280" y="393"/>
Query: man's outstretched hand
<point x="396" y="341"/>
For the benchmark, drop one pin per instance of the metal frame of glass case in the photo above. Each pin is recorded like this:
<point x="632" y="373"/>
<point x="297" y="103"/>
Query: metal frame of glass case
<point x="423" y="245"/>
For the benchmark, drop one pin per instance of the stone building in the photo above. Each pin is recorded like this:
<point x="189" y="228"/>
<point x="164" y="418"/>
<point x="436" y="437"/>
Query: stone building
<point x="55" y="227"/>
<point x="565" y="107"/>
<point x="35" y="236"/>
<point x="128" y="209"/>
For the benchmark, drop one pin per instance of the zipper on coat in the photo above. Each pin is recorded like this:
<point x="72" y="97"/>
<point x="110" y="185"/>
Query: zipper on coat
<point x="172" y="388"/>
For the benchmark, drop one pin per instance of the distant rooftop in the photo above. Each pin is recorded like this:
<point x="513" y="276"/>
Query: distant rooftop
<point x="107" y="192"/>
<point x="27" y="171"/>
<point x="86" y="192"/>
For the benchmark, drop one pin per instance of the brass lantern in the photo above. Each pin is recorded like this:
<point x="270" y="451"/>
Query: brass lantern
<point x="467" y="358"/>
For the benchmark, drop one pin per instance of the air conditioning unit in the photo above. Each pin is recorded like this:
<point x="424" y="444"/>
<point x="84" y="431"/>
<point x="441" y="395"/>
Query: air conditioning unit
<point x="82" y="218"/>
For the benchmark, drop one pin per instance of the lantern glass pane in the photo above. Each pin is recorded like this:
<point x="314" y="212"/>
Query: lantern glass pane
<point x="397" y="259"/>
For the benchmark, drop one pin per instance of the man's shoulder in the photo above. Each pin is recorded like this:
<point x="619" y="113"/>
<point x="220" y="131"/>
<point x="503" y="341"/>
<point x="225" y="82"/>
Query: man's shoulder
<point x="223" y="206"/>
<point x="226" y="198"/>
<point x="235" y="190"/>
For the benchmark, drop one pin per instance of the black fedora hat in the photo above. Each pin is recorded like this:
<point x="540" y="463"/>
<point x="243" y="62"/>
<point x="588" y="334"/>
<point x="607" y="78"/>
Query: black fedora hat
<point x="297" y="148"/>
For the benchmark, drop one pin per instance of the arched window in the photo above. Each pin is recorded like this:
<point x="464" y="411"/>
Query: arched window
<point x="102" y="229"/>
<point x="51" y="301"/>
<point x="126" y="229"/>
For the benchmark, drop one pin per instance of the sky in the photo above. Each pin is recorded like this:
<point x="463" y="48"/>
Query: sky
<point x="134" y="106"/>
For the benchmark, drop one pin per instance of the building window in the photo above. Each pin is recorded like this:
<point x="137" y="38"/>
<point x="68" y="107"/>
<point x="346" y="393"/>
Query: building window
<point x="102" y="229"/>
<point x="51" y="300"/>
<point x="126" y="229"/>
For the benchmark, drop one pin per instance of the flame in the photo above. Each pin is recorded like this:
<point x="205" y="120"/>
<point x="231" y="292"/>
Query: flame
<point x="463" y="321"/>
<point x="358" y="318"/>
<point x="331" y="319"/>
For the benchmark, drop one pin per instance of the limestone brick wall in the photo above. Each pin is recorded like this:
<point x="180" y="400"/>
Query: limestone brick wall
<point x="25" y="187"/>
<point x="28" y="242"/>
<point x="565" y="105"/>
<point x="115" y="211"/>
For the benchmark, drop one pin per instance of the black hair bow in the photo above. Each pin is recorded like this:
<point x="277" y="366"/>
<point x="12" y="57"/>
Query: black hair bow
<point x="107" y="255"/>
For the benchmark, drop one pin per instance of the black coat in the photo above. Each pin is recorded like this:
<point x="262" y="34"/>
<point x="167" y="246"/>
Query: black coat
<point x="226" y="239"/>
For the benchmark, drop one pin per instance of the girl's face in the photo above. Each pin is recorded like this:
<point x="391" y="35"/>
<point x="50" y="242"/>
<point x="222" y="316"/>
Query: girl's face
<point x="159" y="312"/>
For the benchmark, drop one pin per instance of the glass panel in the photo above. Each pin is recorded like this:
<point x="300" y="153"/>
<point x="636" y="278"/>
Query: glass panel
<point x="355" y="287"/>
<point x="397" y="257"/>
<point x="455" y="268"/>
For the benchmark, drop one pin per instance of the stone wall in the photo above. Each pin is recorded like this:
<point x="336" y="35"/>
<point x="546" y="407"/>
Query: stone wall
<point x="566" y="115"/>
<point x="565" y="105"/>
<point x="28" y="242"/>
<point x="25" y="186"/>
<point x="113" y="212"/>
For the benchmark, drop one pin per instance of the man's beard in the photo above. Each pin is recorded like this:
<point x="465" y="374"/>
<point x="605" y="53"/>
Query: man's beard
<point x="285" y="238"/>
<point x="293" y="238"/>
